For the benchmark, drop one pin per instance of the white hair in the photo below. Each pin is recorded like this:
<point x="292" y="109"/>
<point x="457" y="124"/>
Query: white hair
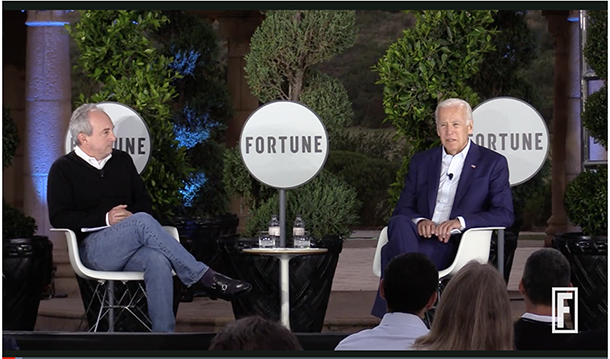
<point x="454" y="102"/>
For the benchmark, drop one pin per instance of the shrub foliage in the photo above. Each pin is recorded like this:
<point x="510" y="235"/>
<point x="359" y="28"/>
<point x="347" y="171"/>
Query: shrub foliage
<point x="278" y="67"/>
<point x="288" y="43"/>
<point x="431" y="62"/>
<point x="15" y="224"/>
<point x="586" y="197"/>
<point x="327" y="204"/>
<point x="586" y="201"/>
<point x="201" y="109"/>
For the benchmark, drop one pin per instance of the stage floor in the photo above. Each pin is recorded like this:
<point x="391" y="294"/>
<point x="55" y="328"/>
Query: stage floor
<point x="351" y="299"/>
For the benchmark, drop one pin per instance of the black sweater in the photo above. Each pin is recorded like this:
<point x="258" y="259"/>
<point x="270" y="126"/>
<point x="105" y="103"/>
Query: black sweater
<point x="79" y="195"/>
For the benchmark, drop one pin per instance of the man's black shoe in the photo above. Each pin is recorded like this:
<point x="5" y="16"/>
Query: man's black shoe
<point x="226" y="288"/>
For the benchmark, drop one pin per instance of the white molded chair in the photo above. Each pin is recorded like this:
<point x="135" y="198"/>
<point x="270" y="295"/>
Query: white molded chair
<point x="474" y="245"/>
<point x="383" y="239"/>
<point x="104" y="291"/>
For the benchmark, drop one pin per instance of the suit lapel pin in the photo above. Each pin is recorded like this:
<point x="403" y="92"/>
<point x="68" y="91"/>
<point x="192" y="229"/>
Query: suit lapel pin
<point x="473" y="166"/>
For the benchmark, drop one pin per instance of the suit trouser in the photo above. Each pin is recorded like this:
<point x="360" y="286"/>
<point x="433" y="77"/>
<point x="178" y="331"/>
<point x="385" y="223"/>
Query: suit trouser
<point x="403" y="238"/>
<point x="139" y="243"/>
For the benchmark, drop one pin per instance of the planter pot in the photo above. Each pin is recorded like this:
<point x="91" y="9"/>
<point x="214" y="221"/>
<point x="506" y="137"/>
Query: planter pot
<point x="588" y="257"/>
<point x="27" y="266"/>
<point x="311" y="280"/>
<point x="200" y="235"/>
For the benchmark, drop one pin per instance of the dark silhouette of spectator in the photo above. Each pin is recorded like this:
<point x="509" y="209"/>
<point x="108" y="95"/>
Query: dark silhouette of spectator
<point x="409" y="288"/>
<point x="473" y="313"/>
<point x="544" y="269"/>
<point x="255" y="333"/>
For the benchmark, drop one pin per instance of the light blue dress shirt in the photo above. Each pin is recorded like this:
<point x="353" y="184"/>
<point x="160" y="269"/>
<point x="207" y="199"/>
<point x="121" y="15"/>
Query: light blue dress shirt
<point x="396" y="331"/>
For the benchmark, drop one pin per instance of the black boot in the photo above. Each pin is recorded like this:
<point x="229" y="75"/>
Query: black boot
<point x="226" y="288"/>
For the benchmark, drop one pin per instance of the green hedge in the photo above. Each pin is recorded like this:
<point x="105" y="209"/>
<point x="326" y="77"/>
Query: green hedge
<point x="327" y="97"/>
<point x="595" y="116"/>
<point x="327" y="204"/>
<point x="586" y="201"/>
<point x="371" y="178"/>
<point x="431" y="62"/>
<point x="596" y="48"/>
<point x="586" y="197"/>
<point x="10" y="137"/>
<point x="14" y="223"/>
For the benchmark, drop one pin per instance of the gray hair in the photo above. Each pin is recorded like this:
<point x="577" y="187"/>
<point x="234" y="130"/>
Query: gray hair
<point x="79" y="122"/>
<point x="544" y="269"/>
<point x="451" y="102"/>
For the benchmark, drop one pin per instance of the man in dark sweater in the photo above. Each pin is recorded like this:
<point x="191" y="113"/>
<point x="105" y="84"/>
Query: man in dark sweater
<point x="544" y="269"/>
<point x="98" y="186"/>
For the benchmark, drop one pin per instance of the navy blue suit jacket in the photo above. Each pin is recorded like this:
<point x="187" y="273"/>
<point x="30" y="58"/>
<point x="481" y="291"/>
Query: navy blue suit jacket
<point x="483" y="197"/>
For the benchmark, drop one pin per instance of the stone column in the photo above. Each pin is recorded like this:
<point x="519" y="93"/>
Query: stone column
<point x="573" y="145"/>
<point x="559" y="27"/>
<point x="47" y="107"/>
<point x="237" y="31"/>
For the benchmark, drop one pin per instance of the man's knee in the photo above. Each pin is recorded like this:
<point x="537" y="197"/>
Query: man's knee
<point x="144" y="218"/>
<point x="401" y="227"/>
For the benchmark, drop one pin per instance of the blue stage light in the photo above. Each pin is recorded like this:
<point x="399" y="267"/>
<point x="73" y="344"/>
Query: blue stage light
<point x="192" y="187"/>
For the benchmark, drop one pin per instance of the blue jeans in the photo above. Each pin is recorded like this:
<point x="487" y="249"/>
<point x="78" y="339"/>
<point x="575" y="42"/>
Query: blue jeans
<point x="139" y="243"/>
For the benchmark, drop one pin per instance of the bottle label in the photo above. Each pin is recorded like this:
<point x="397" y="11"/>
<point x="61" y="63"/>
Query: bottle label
<point x="274" y="231"/>
<point x="301" y="242"/>
<point x="298" y="231"/>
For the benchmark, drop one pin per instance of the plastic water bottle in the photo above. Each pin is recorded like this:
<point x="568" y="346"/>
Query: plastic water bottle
<point x="274" y="232"/>
<point x="299" y="237"/>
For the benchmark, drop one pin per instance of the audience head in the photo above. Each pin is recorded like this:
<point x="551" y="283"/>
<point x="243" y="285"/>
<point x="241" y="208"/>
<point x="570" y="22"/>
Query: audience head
<point x="453" y="124"/>
<point x="255" y="333"/>
<point x="473" y="313"/>
<point x="544" y="269"/>
<point x="410" y="283"/>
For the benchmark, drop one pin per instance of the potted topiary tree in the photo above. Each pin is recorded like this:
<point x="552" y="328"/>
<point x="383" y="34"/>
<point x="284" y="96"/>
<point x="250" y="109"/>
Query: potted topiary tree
<point x="586" y="196"/>
<point x="27" y="262"/>
<point x="431" y="62"/>
<point x="279" y="67"/>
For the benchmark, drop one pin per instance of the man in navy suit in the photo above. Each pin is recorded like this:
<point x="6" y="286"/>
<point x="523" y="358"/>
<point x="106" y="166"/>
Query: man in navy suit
<point x="448" y="189"/>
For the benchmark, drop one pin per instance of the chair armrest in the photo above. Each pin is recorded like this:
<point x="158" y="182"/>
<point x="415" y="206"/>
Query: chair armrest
<point x="173" y="231"/>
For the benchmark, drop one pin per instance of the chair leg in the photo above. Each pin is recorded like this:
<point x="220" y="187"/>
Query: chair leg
<point x="111" y="306"/>
<point x="130" y="301"/>
<point x="132" y="306"/>
<point x="102" y="312"/>
<point x="88" y="309"/>
<point x="115" y="302"/>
